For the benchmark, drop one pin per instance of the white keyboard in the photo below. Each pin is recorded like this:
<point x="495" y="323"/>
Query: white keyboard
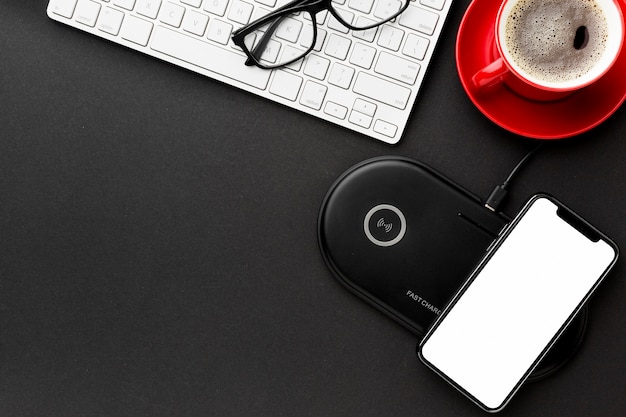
<point x="366" y="81"/>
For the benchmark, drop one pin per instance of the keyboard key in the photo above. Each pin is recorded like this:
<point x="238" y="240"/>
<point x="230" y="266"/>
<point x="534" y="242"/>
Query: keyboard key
<point x="110" y="21"/>
<point x="415" y="46"/>
<point x="382" y="90"/>
<point x="390" y="37"/>
<point x="240" y="12"/>
<point x="208" y="57"/>
<point x="195" y="22"/>
<point x="148" y="8"/>
<point x="217" y="7"/>
<point x="136" y="30"/>
<point x="360" y="119"/>
<point x="385" y="8"/>
<point x="63" y="8"/>
<point x="125" y="4"/>
<point x="87" y="12"/>
<point x="363" y="6"/>
<point x="270" y="53"/>
<point x="341" y="75"/>
<point x="435" y="4"/>
<point x="363" y="55"/>
<point x="366" y="35"/>
<point x="338" y="46"/>
<point x="333" y="23"/>
<point x="313" y="95"/>
<point x="307" y="39"/>
<point x="219" y="31"/>
<point x="419" y="19"/>
<point x="397" y="68"/>
<point x="286" y="85"/>
<point x="316" y="66"/>
<point x="336" y="110"/>
<point x="385" y="128"/>
<point x="364" y="107"/>
<point x="289" y="53"/>
<point x="259" y="12"/>
<point x="289" y="30"/>
<point x="172" y="14"/>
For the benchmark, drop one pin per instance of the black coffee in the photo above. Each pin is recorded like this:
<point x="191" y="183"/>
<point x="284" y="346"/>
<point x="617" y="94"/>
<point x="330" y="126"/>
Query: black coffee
<point x="556" y="41"/>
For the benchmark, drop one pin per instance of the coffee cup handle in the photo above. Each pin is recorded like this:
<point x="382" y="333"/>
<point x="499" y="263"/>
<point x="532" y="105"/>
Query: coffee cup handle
<point x="490" y="75"/>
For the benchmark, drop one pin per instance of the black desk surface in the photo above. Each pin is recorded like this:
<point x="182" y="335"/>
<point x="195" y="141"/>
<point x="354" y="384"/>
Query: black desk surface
<point x="159" y="252"/>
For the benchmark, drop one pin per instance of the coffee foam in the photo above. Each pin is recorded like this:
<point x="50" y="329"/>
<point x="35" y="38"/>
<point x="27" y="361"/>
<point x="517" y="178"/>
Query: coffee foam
<point x="540" y="37"/>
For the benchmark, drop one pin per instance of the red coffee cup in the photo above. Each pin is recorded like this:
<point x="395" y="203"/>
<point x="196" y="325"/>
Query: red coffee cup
<point x="549" y="49"/>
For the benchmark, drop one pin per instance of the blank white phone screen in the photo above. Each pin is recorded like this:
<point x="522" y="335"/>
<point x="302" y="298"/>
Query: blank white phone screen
<point x="518" y="302"/>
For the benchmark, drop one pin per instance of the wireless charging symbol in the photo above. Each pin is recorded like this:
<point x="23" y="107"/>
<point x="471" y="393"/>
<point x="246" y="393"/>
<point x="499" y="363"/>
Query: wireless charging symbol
<point x="384" y="225"/>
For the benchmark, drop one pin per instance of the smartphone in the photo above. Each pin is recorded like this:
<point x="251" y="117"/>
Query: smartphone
<point x="528" y="287"/>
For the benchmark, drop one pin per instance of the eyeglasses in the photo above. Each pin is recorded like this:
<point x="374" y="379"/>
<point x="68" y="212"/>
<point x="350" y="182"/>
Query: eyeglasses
<point x="290" y="32"/>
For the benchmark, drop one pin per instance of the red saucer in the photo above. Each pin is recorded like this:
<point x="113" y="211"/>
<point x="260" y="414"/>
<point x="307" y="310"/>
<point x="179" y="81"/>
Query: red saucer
<point x="568" y="117"/>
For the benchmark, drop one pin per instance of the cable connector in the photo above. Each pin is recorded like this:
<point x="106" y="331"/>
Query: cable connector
<point x="498" y="195"/>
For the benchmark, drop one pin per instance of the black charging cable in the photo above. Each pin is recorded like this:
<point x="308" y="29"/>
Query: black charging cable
<point x="498" y="195"/>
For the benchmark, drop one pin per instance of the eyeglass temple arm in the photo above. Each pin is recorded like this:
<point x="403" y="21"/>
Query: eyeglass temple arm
<point x="265" y="39"/>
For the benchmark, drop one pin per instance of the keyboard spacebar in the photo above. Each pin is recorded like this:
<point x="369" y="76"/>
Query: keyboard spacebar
<point x="207" y="56"/>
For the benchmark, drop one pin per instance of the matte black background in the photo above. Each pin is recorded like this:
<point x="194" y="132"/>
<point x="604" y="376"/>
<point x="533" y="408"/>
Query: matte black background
<point x="159" y="253"/>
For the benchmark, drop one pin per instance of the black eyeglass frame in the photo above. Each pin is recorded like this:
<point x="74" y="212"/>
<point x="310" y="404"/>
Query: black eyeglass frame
<point x="275" y="17"/>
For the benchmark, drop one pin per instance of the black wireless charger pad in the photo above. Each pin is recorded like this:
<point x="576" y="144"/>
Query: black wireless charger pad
<point x="404" y="238"/>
